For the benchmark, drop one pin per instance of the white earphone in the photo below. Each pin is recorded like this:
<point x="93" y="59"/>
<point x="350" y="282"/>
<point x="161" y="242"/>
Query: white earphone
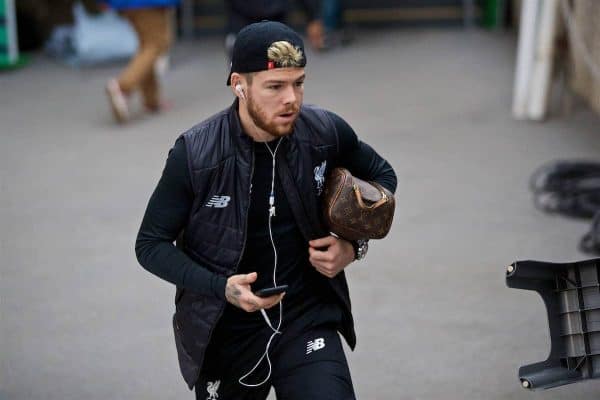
<point x="238" y="88"/>
<point x="274" y="328"/>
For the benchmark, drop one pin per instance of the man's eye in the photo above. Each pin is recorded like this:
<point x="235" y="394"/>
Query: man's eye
<point x="274" y="87"/>
<point x="299" y="84"/>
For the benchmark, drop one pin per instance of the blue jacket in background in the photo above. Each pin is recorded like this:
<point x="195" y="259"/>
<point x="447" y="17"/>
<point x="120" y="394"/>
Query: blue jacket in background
<point x="124" y="4"/>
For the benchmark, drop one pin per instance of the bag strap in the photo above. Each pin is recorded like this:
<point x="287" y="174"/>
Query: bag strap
<point x="383" y="200"/>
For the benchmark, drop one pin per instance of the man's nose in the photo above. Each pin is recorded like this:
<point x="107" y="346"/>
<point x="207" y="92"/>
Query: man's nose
<point x="289" y="95"/>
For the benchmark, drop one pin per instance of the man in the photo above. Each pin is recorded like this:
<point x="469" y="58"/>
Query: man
<point x="244" y="186"/>
<point x="151" y="20"/>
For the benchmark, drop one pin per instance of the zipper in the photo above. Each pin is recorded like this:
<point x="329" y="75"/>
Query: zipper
<point x="247" y="211"/>
<point x="222" y="309"/>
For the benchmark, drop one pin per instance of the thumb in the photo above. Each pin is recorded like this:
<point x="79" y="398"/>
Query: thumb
<point x="251" y="277"/>
<point x="322" y="242"/>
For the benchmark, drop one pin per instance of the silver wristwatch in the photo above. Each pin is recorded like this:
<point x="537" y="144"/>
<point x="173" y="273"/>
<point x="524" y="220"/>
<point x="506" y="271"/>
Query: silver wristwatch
<point x="360" y="249"/>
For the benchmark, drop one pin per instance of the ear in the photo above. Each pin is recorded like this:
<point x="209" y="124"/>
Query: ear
<point x="236" y="79"/>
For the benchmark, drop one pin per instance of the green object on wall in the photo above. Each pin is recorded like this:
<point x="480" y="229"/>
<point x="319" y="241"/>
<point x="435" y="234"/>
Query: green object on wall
<point x="493" y="12"/>
<point x="3" y="38"/>
<point x="6" y="64"/>
<point x="9" y="48"/>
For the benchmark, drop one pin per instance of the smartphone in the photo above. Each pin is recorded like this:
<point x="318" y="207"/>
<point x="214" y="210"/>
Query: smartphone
<point x="266" y="292"/>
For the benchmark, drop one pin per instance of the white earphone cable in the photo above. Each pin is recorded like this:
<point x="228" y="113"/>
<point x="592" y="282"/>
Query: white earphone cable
<point x="276" y="331"/>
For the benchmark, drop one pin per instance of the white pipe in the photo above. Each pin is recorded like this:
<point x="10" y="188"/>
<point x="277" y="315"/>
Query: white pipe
<point x="541" y="78"/>
<point x="527" y="29"/>
<point x="11" y="31"/>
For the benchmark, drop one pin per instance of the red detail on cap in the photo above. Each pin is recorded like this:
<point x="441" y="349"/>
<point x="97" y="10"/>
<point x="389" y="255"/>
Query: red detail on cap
<point x="270" y="65"/>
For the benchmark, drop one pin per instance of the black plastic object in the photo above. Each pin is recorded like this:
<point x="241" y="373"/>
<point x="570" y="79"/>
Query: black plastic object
<point x="571" y="293"/>
<point x="568" y="187"/>
<point x="271" y="291"/>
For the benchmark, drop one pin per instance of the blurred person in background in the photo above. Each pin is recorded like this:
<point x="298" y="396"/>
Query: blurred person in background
<point x="336" y="32"/>
<point x="37" y="18"/>
<point x="242" y="192"/>
<point x="152" y="22"/>
<point x="244" y="12"/>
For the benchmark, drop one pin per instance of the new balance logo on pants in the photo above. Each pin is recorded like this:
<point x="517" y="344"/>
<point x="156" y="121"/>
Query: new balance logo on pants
<point x="315" y="345"/>
<point x="218" y="201"/>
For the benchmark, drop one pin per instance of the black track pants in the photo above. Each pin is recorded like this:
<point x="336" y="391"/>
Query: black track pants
<point x="305" y="365"/>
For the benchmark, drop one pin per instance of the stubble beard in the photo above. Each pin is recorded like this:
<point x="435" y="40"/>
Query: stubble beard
<point x="259" y="118"/>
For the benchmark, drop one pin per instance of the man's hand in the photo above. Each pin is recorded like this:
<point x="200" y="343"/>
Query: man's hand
<point x="330" y="255"/>
<point x="239" y="293"/>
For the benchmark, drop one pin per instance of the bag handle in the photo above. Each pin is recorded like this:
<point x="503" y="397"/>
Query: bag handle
<point x="383" y="200"/>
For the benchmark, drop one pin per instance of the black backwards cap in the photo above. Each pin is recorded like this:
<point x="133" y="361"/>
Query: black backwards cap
<point x="252" y="43"/>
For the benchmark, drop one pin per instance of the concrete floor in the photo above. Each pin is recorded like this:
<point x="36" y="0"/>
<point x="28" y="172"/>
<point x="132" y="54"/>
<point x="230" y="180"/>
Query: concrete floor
<point x="79" y="319"/>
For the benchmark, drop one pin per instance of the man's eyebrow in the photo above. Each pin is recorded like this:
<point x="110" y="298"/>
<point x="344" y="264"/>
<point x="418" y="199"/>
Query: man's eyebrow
<point x="277" y="81"/>
<point x="273" y="81"/>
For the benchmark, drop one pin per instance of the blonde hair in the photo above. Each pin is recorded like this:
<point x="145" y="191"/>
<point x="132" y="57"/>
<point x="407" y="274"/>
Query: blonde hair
<point x="285" y="54"/>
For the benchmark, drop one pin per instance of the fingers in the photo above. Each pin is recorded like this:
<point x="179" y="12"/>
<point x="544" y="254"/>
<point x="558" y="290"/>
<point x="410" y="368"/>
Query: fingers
<point x="273" y="300"/>
<point x="318" y="256"/>
<point x="252" y="303"/>
<point x="330" y="262"/>
<point x="323" y="261"/>
<point x="243" y="279"/>
<point x="322" y="242"/>
<point x="239" y="293"/>
<point x="327" y="270"/>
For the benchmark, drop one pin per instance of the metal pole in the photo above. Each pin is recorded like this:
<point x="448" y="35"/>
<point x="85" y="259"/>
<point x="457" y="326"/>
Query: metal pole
<point x="541" y="78"/>
<point x="525" y="55"/>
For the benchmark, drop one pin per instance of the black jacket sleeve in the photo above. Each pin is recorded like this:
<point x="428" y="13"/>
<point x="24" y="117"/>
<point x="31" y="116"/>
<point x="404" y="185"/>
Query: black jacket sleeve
<point x="360" y="158"/>
<point x="165" y="217"/>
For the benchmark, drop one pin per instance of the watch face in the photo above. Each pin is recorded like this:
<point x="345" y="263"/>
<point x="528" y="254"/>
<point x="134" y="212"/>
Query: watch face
<point x="363" y="246"/>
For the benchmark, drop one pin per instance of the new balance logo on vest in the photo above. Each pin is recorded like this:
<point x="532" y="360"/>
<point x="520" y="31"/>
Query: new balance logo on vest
<point x="315" y="345"/>
<point x="218" y="201"/>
